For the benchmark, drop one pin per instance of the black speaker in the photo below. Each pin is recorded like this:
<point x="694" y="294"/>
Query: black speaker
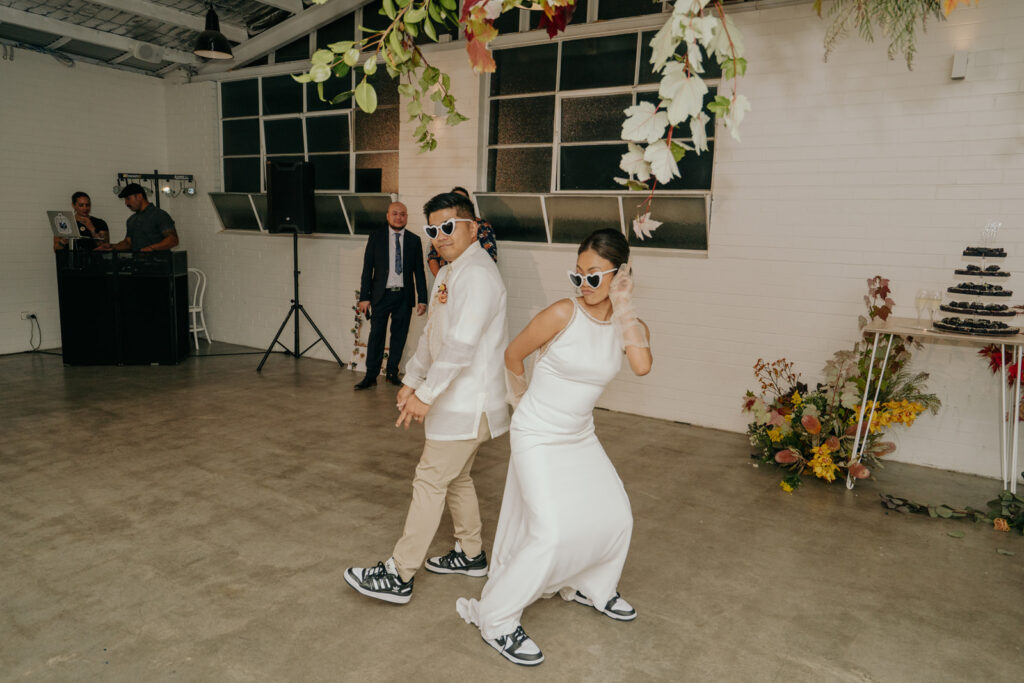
<point x="290" y="206"/>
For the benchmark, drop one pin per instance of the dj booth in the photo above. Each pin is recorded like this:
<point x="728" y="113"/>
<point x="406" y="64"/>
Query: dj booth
<point x="122" y="308"/>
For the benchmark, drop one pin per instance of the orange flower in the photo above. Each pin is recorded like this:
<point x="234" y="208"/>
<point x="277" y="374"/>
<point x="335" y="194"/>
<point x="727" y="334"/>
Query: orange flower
<point x="811" y="424"/>
<point x="1000" y="524"/>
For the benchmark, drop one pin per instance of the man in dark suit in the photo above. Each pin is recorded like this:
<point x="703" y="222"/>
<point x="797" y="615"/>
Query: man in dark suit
<point x="392" y="277"/>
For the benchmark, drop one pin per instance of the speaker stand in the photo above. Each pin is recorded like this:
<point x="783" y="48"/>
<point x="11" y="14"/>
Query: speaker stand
<point x="294" y="311"/>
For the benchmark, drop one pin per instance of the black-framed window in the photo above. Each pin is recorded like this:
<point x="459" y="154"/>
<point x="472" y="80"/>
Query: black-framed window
<point x="275" y="118"/>
<point x="555" y="115"/>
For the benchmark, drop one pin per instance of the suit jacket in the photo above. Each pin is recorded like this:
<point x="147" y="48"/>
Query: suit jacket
<point x="375" y="268"/>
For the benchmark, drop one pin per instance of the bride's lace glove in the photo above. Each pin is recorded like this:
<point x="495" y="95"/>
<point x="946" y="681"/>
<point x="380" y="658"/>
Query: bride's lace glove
<point x="515" y="387"/>
<point x="631" y="330"/>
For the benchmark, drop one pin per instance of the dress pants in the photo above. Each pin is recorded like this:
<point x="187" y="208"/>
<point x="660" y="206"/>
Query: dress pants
<point x="396" y="306"/>
<point x="442" y="475"/>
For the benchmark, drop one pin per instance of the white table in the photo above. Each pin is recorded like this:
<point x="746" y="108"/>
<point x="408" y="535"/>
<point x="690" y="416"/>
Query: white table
<point x="909" y="327"/>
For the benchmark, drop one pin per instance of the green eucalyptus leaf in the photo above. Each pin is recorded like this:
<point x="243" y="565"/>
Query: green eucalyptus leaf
<point x="421" y="130"/>
<point x="370" y="66"/>
<point x="401" y="3"/>
<point x="395" y="43"/>
<point x="431" y="75"/>
<point x="366" y="97"/>
<point x="428" y="28"/>
<point x="435" y="12"/>
<point x="415" y="16"/>
<point x="302" y="78"/>
<point x="319" y="72"/>
<point x="389" y="10"/>
<point x="415" y="108"/>
<point x="341" y="69"/>
<point x="320" y="92"/>
<point x="406" y="90"/>
<point x="944" y="512"/>
<point x="342" y="47"/>
<point x="322" y="57"/>
<point x="1004" y="552"/>
<point x="341" y="97"/>
<point x="955" y="534"/>
<point x="412" y="30"/>
<point x="392" y="71"/>
<point x="450" y="4"/>
<point x="436" y="96"/>
<point x="351" y="57"/>
<point x="446" y="81"/>
<point x="448" y="101"/>
<point x="455" y="118"/>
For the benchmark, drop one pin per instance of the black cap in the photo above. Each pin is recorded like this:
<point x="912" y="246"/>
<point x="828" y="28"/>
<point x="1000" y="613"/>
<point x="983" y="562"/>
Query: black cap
<point x="130" y="189"/>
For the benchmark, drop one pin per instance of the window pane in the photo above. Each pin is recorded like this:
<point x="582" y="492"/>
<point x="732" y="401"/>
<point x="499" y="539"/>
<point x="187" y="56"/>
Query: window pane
<point x="515" y="218"/>
<point x="711" y="67"/>
<point x="242" y="175"/>
<point x="294" y="51"/>
<point x="508" y="22"/>
<point x="373" y="18"/>
<point x="331" y="172"/>
<point x="586" y="119"/>
<point x="525" y="69"/>
<point x="241" y="136"/>
<point x="386" y="87"/>
<point x="281" y="95"/>
<point x="235" y="211"/>
<point x="684" y="223"/>
<point x="617" y="9"/>
<point x="329" y="217"/>
<point x="378" y="130"/>
<point x="327" y="133"/>
<point x="239" y="98"/>
<point x="332" y="87"/>
<point x="519" y="170"/>
<point x="377" y="172"/>
<point x="366" y="212"/>
<point x="579" y="15"/>
<point x="336" y="31"/>
<point x="283" y="136"/>
<point x="524" y="119"/>
<point x="590" y="167"/>
<point x="695" y="171"/>
<point x="598" y="62"/>
<point x="572" y="219"/>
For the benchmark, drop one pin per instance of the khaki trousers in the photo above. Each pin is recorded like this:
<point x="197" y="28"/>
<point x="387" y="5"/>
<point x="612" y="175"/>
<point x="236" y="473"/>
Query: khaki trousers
<point x="442" y="475"/>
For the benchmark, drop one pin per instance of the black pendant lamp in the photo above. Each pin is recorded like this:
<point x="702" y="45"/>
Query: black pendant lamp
<point x="211" y="43"/>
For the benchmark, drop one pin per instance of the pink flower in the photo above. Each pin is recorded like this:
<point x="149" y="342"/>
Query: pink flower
<point x="776" y="419"/>
<point x="785" y="457"/>
<point x="858" y="471"/>
<point x="833" y="443"/>
<point x="811" y="424"/>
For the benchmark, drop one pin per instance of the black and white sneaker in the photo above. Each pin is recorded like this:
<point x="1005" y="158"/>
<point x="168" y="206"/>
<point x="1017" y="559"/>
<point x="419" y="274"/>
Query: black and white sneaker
<point x="381" y="582"/>
<point x="617" y="608"/>
<point x="456" y="562"/>
<point x="517" y="647"/>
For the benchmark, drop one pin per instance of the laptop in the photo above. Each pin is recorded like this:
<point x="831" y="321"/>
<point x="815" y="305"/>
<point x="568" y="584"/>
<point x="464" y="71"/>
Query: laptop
<point x="63" y="224"/>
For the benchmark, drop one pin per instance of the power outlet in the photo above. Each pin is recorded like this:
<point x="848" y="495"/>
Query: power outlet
<point x="27" y="315"/>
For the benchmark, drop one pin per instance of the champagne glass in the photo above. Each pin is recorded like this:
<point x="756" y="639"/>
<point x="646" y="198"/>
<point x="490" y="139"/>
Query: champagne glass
<point x="934" y="302"/>
<point x="921" y="300"/>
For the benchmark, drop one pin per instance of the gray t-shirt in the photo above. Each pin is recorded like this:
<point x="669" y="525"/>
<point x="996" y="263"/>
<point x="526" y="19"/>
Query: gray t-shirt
<point x="148" y="226"/>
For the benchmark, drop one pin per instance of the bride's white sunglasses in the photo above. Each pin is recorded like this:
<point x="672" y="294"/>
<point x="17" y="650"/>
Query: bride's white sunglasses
<point x="593" y="279"/>
<point x="447" y="227"/>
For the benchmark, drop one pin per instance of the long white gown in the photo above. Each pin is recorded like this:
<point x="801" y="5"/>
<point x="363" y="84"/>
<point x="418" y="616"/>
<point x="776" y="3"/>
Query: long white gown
<point x="565" y="520"/>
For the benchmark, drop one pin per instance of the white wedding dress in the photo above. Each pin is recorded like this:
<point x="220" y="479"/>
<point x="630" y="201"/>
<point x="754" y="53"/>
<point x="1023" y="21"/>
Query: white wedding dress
<point x="565" y="521"/>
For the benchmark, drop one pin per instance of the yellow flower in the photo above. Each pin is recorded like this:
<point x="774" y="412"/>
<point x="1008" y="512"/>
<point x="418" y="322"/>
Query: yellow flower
<point x="786" y="487"/>
<point x="788" y="418"/>
<point x="822" y="464"/>
<point x="797" y="399"/>
<point x="775" y="435"/>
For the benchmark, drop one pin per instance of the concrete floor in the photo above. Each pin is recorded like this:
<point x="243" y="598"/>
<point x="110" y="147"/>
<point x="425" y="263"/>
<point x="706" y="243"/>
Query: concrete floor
<point x="192" y="523"/>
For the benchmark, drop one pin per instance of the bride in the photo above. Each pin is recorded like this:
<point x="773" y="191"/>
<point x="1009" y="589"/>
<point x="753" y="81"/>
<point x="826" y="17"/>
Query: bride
<point x="565" y="519"/>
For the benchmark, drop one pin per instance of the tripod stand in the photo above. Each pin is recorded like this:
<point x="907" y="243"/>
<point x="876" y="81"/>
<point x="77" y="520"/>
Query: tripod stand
<point x="295" y="310"/>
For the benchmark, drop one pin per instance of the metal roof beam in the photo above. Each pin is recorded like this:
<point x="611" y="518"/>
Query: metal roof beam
<point x="88" y="35"/>
<point x="293" y="6"/>
<point x="287" y="31"/>
<point x="167" y="15"/>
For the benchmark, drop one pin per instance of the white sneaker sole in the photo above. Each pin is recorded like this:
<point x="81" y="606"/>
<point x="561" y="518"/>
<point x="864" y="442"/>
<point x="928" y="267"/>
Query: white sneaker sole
<point x="468" y="572"/>
<point x="520" y="662"/>
<point x="386" y="597"/>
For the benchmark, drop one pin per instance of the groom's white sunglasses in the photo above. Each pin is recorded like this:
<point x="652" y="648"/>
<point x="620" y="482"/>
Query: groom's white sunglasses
<point x="593" y="279"/>
<point x="447" y="227"/>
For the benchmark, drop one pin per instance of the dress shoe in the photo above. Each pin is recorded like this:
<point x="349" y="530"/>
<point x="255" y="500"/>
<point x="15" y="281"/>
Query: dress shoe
<point x="393" y="379"/>
<point x="366" y="383"/>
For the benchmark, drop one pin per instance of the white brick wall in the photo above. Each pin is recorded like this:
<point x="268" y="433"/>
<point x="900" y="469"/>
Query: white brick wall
<point x="63" y="130"/>
<point x="846" y="170"/>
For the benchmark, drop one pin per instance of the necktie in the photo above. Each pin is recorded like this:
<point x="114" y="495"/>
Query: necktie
<point x="398" y="253"/>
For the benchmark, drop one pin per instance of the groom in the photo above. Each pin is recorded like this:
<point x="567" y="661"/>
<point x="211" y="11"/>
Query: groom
<point x="455" y="386"/>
